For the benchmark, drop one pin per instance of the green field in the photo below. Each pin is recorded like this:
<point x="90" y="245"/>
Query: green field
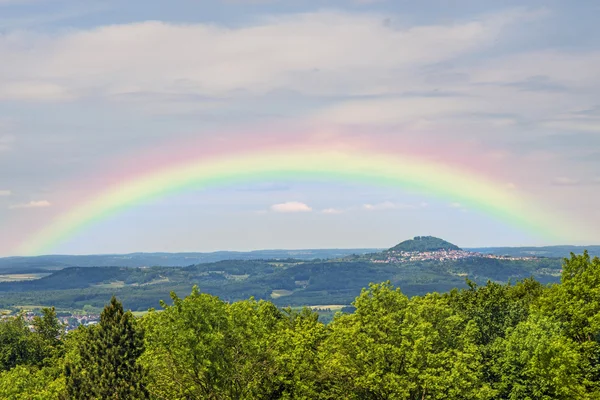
<point x="110" y="285"/>
<point x="330" y="307"/>
<point x="275" y="294"/>
<point x="21" y="277"/>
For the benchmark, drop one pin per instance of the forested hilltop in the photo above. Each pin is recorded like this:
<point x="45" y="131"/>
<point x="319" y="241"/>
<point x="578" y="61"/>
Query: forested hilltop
<point x="524" y="340"/>
<point x="424" y="243"/>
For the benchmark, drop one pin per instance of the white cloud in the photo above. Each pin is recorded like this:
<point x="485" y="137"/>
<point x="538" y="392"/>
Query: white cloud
<point x="290" y="207"/>
<point x="5" y="193"/>
<point x="455" y="205"/>
<point x="332" y="211"/>
<point x="32" y="204"/>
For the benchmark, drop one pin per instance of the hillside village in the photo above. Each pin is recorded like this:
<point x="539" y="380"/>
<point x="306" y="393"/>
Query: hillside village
<point x="429" y="248"/>
<point x="441" y="255"/>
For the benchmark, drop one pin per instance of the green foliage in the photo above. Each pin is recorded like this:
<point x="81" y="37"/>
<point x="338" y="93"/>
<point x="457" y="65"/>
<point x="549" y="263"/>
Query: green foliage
<point x="493" y="341"/>
<point x="30" y="359"/>
<point x="15" y="344"/>
<point x="31" y="383"/>
<point x="575" y="303"/>
<point x="107" y="365"/>
<point x="538" y="362"/>
<point x="393" y="347"/>
<point x="201" y="347"/>
<point x="494" y="307"/>
<point x="20" y="345"/>
<point x="424" y="243"/>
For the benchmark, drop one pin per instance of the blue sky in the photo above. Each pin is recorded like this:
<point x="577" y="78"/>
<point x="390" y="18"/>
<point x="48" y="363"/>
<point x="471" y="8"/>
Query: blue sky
<point x="85" y="83"/>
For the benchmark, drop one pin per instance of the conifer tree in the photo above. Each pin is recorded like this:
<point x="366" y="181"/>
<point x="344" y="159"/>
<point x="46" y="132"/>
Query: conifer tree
<point x="107" y="367"/>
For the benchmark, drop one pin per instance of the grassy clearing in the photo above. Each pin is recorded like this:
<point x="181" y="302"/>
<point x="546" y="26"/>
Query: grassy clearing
<point x="237" y="277"/>
<point x="139" y="313"/>
<point x="111" y="285"/>
<point x="330" y="307"/>
<point x="155" y="282"/>
<point x="275" y="294"/>
<point x="29" y="307"/>
<point x="21" y="277"/>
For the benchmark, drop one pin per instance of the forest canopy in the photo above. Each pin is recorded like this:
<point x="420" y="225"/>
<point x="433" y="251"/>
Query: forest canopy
<point x="522" y="340"/>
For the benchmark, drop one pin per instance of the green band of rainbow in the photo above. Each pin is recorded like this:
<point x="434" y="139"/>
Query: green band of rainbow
<point x="414" y="175"/>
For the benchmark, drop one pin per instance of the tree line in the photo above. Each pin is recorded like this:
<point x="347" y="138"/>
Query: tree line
<point x="519" y="340"/>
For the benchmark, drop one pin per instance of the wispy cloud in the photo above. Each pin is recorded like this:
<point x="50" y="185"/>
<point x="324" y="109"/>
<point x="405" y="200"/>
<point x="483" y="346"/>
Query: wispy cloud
<point x="311" y="53"/>
<point x="5" y="193"/>
<point x="332" y="211"/>
<point x="39" y="91"/>
<point x="565" y="181"/>
<point x="458" y="206"/>
<point x="389" y="205"/>
<point x="32" y="204"/>
<point x="291" y="207"/>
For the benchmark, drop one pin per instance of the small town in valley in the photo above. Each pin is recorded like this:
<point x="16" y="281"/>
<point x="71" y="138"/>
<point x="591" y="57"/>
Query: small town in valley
<point x="395" y="257"/>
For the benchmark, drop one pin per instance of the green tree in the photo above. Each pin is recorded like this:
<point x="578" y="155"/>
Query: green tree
<point x="538" y="362"/>
<point x="15" y="343"/>
<point x="575" y="303"/>
<point x="31" y="383"/>
<point x="494" y="308"/>
<point x="203" y="348"/>
<point x="297" y="346"/>
<point x="48" y="326"/>
<point x="107" y="366"/>
<point x="393" y="347"/>
<point x="47" y="337"/>
<point x="187" y="353"/>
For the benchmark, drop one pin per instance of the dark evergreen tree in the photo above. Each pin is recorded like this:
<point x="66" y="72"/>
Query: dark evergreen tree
<point x="107" y="367"/>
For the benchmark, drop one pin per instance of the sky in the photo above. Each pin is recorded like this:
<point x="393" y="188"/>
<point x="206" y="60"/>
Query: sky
<point x="94" y="94"/>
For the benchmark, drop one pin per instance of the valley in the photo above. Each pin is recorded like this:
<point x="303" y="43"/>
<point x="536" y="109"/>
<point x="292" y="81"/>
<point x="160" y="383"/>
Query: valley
<point x="418" y="266"/>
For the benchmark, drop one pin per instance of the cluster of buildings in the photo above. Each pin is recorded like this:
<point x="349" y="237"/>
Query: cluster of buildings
<point x="70" y="322"/>
<point x="73" y="321"/>
<point x="440" y="255"/>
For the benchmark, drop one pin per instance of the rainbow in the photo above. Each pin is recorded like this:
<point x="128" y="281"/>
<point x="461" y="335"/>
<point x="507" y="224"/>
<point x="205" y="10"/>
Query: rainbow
<point x="414" y="174"/>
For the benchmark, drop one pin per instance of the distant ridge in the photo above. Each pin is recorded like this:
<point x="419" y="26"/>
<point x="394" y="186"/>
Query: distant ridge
<point x="424" y="243"/>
